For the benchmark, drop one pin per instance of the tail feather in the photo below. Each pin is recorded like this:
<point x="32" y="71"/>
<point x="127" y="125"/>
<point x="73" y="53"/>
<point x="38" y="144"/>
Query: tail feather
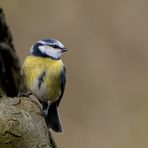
<point x="53" y="119"/>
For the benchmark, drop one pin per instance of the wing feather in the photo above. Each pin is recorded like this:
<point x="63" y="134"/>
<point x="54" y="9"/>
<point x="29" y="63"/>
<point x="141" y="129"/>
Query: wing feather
<point x="63" y="82"/>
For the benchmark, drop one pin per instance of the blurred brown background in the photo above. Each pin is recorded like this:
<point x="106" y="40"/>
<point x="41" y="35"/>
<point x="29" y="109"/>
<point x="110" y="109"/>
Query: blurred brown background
<point x="106" y="100"/>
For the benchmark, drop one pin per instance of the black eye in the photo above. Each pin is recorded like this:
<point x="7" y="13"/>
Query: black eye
<point x="55" y="46"/>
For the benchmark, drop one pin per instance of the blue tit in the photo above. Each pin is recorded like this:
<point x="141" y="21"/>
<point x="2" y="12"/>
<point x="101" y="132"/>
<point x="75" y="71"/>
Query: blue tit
<point x="45" y="77"/>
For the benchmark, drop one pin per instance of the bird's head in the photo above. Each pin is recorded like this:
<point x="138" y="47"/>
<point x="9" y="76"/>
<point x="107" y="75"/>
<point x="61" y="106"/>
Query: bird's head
<point x="48" y="48"/>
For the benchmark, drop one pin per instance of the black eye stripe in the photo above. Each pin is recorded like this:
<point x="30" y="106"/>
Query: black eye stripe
<point x="55" y="46"/>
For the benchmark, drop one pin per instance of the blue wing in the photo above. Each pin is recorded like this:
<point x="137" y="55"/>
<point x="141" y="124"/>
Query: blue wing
<point x="52" y="118"/>
<point x="63" y="82"/>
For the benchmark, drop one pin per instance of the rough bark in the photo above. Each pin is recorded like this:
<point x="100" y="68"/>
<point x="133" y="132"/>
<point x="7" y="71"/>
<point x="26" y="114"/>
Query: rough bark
<point x="21" y="120"/>
<point x="22" y="124"/>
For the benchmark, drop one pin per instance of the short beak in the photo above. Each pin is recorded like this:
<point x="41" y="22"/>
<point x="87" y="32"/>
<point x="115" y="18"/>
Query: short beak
<point x="64" y="49"/>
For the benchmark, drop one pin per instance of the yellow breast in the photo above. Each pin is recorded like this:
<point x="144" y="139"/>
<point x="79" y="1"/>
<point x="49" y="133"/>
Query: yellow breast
<point x="49" y="87"/>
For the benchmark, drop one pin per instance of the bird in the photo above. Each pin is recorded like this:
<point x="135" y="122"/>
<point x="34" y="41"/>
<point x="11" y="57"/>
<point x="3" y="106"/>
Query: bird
<point x="45" y="77"/>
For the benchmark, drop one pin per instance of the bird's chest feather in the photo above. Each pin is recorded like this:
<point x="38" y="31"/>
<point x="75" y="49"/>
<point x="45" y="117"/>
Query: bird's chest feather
<point x="43" y="77"/>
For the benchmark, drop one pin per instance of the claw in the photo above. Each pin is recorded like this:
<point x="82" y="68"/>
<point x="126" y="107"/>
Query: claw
<point x="24" y="94"/>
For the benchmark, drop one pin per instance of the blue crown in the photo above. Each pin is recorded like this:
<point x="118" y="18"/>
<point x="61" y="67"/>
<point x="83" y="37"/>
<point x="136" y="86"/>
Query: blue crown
<point x="52" y="42"/>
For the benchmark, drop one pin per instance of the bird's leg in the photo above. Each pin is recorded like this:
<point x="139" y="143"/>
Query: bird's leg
<point x="45" y="108"/>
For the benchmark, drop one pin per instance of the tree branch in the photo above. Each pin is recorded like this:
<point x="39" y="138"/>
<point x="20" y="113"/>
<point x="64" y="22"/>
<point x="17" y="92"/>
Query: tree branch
<point x="21" y="121"/>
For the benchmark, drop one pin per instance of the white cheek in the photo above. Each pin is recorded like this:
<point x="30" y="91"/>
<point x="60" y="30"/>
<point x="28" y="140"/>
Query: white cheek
<point x="44" y="49"/>
<point x="55" y="53"/>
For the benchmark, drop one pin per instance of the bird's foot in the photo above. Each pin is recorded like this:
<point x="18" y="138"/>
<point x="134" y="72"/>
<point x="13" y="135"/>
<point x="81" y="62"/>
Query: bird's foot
<point x="44" y="113"/>
<point x="45" y="108"/>
<point x="24" y="94"/>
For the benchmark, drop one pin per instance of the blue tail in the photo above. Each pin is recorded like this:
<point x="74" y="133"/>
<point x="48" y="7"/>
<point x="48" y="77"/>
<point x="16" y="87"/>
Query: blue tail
<point x="53" y="119"/>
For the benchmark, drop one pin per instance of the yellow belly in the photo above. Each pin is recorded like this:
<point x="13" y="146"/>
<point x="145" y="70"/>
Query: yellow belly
<point x="50" y="88"/>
